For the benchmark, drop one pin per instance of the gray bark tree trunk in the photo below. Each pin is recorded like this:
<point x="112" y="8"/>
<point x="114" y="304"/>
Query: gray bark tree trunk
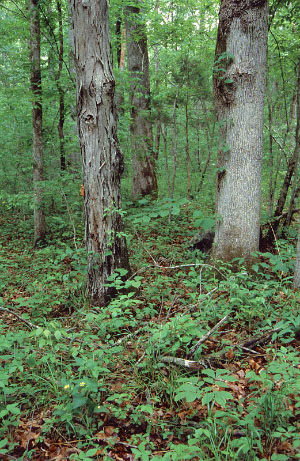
<point x="296" y="282"/>
<point x="37" y="122"/>
<point x="239" y="83"/>
<point x="102" y="159"/>
<point x="144" y="180"/>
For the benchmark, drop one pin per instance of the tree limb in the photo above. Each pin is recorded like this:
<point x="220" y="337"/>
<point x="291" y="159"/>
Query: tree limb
<point x="216" y="358"/>
<point x="207" y="335"/>
<point x="29" y="324"/>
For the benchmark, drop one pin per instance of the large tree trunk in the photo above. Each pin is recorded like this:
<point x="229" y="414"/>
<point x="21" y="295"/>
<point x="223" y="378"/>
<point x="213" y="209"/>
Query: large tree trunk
<point x="144" y="180"/>
<point x="37" y="122"/>
<point x="296" y="282"/>
<point x="239" y="83"/>
<point x="101" y="156"/>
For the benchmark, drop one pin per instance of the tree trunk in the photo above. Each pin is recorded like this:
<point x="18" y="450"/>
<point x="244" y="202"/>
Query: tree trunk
<point x="144" y="180"/>
<point x="271" y="154"/>
<point x="102" y="159"/>
<point x="37" y="122"/>
<point x="60" y="126"/>
<point x="174" y="145"/>
<point x="187" y="151"/>
<point x="296" y="282"/>
<point x="296" y="153"/>
<point x="121" y="51"/>
<point x="239" y="83"/>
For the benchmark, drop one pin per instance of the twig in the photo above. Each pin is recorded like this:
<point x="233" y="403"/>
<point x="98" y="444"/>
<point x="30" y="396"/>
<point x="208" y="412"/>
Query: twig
<point x="124" y="338"/>
<point x="29" y="324"/>
<point x="141" y="358"/>
<point x="192" y="364"/>
<point x="207" y="335"/>
<point x="179" y="266"/>
<point x="246" y="349"/>
<point x="258" y="340"/>
<point x="29" y="433"/>
<point x="125" y="444"/>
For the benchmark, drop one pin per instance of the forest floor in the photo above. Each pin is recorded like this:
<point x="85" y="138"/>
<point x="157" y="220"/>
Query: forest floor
<point x="191" y="361"/>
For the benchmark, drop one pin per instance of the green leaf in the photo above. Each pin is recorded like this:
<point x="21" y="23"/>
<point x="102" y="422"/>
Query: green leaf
<point x="135" y="283"/>
<point x="3" y="443"/>
<point x="209" y="372"/>
<point x="78" y="401"/>
<point x="197" y="214"/>
<point x="164" y="213"/>
<point x="92" y="452"/>
<point x="209" y="397"/>
<point x="57" y="335"/>
<point x="13" y="409"/>
<point x="101" y="409"/>
<point x="221" y="397"/>
<point x="46" y="333"/>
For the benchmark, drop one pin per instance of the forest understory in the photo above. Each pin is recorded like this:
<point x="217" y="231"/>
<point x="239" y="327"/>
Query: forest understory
<point x="189" y="111"/>
<point x="190" y="361"/>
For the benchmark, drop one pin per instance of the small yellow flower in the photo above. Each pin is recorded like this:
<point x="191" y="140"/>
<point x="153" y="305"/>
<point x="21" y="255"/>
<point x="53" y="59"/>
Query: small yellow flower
<point x="67" y="386"/>
<point x="99" y="406"/>
<point x="82" y="384"/>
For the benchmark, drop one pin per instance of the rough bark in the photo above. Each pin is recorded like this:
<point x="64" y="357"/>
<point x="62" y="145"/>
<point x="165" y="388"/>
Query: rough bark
<point x="61" y="95"/>
<point x="144" y="180"/>
<point x="37" y="122"/>
<point x="102" y="159"/>
<point x="296" y="282"/>
<point x="239" y="83"/>
<point x="121" y="51"/>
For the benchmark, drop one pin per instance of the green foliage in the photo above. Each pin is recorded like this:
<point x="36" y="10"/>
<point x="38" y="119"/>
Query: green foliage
<point x="95" y="374"/>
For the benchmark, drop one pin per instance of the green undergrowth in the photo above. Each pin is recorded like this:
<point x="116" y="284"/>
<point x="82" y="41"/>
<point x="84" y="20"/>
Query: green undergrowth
<point x="84" y="382"/>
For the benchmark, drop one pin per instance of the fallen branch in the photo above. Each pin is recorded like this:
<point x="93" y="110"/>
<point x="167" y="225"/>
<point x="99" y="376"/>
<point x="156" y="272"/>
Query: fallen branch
<point x="179" y="266"/>
<point x="207" y="335"/>
<point x="125" y="338"/>
<point x="192" y="364"/>
<point x="29" y="324"/>
<point x="215" y="359"/>
<point x="260" y="339"/>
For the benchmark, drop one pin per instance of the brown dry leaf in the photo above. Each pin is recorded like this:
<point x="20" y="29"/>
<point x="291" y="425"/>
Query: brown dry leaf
<point x="254" y="366"/>
<point x="233" y="387"/>
<point x="117" y="386"/>
<point x="285" y="446"/>
<point x="109" y="430"/>
<point x="183" y="414"/>
<point x="229" y="354"/>
<point x="241" y="374"/>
